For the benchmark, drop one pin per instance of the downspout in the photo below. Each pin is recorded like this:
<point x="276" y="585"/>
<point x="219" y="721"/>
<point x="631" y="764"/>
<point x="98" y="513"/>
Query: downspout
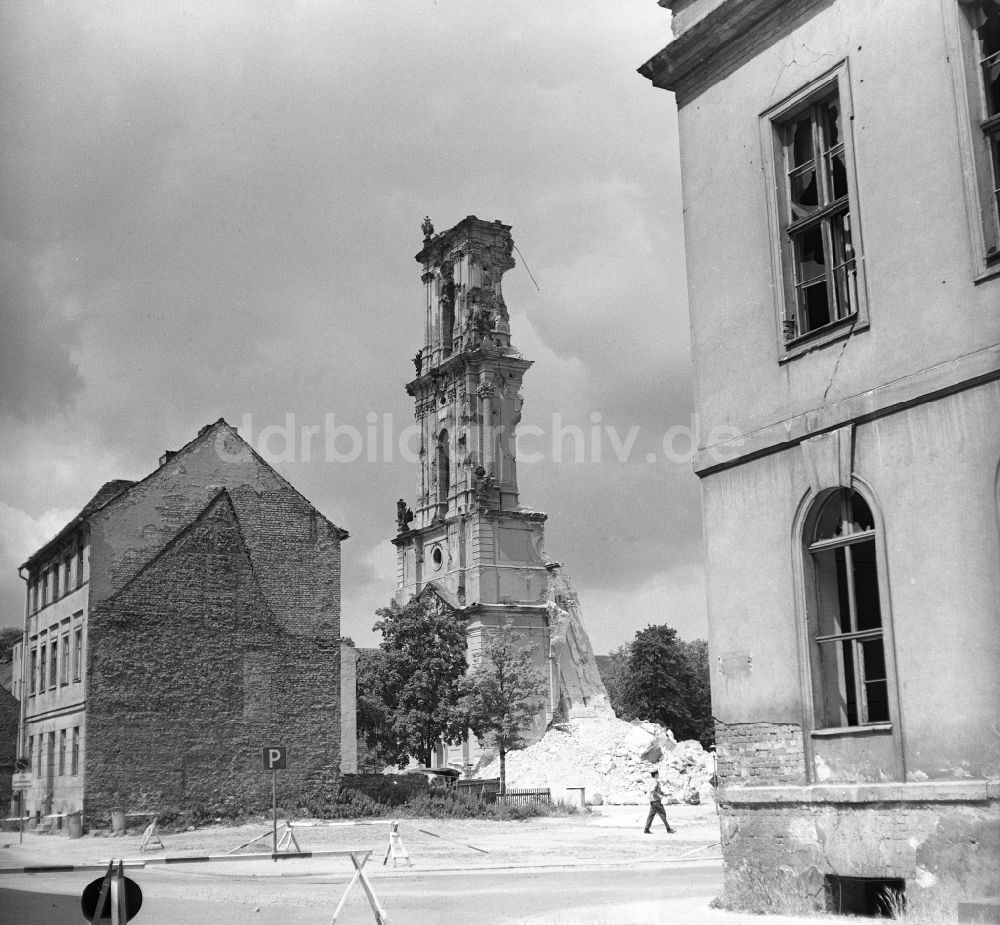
<point x="24" y="662"/>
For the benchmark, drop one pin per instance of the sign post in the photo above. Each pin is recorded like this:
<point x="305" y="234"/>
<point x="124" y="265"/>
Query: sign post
<point x="21" y="781"/>
<point x="274" y="761"/>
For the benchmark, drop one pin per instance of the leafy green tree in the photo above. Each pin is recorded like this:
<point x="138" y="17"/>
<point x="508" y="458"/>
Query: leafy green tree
<point x="501" y="693"/>
<point x="408" y="694"/>
<point x="9" y="637"/>
<point x="667" y="682"/>
<point x="699" y="692"/>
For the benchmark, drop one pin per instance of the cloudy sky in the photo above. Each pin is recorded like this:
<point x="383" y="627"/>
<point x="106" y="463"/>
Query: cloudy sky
<point x="210" y="209"/>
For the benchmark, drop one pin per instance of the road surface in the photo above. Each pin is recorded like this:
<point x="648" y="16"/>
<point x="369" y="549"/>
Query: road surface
<point x="178" y="896"/>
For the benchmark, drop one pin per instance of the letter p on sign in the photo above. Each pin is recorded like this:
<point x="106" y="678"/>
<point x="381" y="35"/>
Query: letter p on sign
<point x="274" y="758"/>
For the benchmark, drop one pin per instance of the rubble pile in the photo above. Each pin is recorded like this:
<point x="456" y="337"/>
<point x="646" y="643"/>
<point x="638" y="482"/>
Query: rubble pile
<point x="610" y="757"/>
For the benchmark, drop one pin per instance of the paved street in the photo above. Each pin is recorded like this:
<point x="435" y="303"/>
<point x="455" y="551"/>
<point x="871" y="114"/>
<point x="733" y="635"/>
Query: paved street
<point x="597" y="869"/>
<point x="484" y="897"/>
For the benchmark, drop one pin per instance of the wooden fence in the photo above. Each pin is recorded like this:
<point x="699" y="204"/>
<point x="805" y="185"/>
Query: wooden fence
<point x="489" y="792"/>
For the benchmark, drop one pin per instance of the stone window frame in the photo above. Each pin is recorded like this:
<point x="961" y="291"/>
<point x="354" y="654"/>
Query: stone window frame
<point x="774" y="125"/>
<point x="977" y="128"/>
<point x="806" y="517"/>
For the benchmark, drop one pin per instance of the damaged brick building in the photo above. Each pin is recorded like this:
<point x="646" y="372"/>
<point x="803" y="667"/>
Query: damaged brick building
<point x="840" y="166"/>
<point x="175" y="627"/>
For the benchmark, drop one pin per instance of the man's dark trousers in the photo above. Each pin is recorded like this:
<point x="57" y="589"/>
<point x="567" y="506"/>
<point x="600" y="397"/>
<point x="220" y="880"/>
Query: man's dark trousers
<point x="656" y="809"/>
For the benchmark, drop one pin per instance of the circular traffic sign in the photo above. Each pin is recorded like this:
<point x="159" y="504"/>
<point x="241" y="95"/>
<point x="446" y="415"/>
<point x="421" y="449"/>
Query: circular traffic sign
<point x="92" y="893"/>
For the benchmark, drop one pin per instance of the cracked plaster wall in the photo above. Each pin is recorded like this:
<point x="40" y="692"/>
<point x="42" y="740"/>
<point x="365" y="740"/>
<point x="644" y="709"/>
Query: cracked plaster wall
<point x="943" y="852"/>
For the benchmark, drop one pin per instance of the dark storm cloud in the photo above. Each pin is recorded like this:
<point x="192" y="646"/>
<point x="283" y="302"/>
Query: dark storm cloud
<point x="211" y="210"/>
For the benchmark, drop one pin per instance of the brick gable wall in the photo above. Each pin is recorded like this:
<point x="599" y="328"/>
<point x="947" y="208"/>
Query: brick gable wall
<point x="191" y="671"/>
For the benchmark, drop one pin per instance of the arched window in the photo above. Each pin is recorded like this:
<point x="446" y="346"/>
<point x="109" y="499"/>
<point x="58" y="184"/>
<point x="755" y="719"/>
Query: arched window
<point x="443" y="467"/>
<point x="848" y="653"/>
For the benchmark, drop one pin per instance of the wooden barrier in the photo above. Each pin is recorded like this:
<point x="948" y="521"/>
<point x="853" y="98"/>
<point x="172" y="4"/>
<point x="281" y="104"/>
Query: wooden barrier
<point x="115" y="869"/>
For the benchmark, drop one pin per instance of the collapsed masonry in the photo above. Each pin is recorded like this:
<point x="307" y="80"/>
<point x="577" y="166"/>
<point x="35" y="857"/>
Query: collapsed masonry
<point x="610" y="757"/>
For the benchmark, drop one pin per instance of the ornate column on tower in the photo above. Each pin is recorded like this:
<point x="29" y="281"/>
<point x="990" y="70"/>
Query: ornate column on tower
<point x="467" y="543"/>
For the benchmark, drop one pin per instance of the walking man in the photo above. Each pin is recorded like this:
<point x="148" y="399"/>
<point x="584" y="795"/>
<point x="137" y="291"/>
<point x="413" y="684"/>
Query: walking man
<point x="655" y="794"/>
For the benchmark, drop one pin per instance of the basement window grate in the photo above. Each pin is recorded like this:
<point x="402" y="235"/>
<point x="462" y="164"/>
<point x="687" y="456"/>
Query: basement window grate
<point x="873" y="897"/>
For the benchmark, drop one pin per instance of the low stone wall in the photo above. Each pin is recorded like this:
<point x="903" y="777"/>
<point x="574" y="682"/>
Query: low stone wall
<point x="944" y="847"/>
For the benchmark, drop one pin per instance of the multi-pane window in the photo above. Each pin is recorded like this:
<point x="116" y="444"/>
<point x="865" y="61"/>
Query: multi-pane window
<point x="62" y="752"/>
<point x="75" y="765"/>
<point x="53" y="662"/>
<point x="79" y="566"/>
<point x="77" y="653"/>
<point x="67" y="566"/>
<point x="989" y="62"/>
<point x="852" y="687"/>
<point x="33" y="676"/>
<point x="64" y="667"/>
<point x="45" y="588"/>
<point x="817" y="219"/>
<point x="42" y="650"/>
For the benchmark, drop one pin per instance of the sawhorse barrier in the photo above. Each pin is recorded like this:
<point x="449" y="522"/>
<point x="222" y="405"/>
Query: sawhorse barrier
<point x="395" y="849"/>
<point x="113" y="887"/>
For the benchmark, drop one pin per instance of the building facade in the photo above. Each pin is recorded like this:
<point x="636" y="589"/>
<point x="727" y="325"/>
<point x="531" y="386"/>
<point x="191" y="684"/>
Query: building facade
<point x="467" y="542"/>
<point x="840" y="166"/>
<point x="173" y="629"/>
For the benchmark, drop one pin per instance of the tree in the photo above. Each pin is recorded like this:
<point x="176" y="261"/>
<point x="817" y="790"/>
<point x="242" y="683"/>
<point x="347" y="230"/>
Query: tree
<point x="409" y="692"/>
<point x="500" y="694"/>
<point x="10" y="636"/>
<point x="699" y="692"/>
<point x="667" y="682"/>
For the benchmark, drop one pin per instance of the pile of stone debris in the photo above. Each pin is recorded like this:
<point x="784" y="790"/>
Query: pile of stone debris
<point x="612" y="759"/>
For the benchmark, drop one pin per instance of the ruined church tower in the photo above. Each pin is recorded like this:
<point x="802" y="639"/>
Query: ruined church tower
<point x="467" y="542"/>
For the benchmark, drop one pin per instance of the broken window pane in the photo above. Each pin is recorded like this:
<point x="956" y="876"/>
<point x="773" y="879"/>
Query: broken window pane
<point x="802" y="142"/>
<point x="811" y="258"/>
<point x="861" y="514"/>
<point x="877" y="695"/>
<point x="837" y="171"/>
<point x="874" y="660"/>
<point x="815" y="305"/>
<point x="828" y="525"/>
<point x="832" y="593"/>
<point x="850" y="690"/>
<point x="831" y="111"/>
<point x="803" y="192"/>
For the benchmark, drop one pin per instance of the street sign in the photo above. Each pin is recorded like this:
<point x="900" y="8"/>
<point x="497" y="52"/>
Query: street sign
<point x="22" y="764"/>
<point x="274" y="758"/>
<point x="113" y="896"/>
<point x="20" y="781"/>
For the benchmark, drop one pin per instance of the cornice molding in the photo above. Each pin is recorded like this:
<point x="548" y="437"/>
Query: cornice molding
<point x="722" y="41"/>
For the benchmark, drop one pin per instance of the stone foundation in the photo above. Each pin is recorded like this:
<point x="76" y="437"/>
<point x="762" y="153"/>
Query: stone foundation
<point x="780" y="843"/>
